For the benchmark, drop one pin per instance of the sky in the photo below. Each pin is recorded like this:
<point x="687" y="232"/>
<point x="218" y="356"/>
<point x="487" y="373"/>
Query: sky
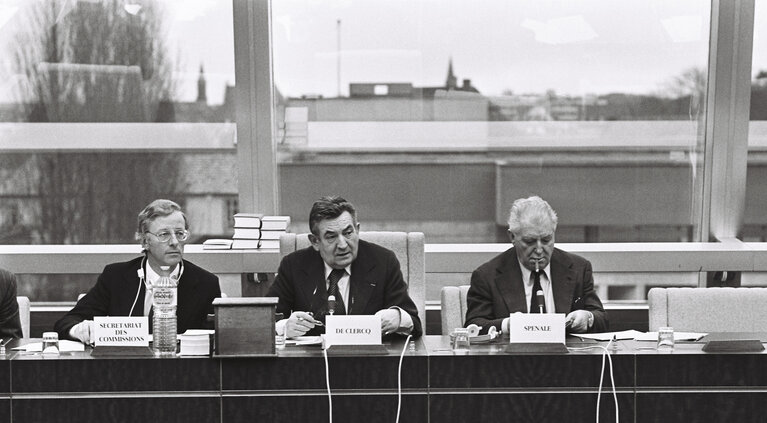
<point x="572" y="47"/>
<point x="522" y="46"/>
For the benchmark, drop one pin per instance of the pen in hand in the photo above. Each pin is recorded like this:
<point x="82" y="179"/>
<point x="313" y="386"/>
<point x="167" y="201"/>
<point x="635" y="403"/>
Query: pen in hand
<point x="316" y="322"/>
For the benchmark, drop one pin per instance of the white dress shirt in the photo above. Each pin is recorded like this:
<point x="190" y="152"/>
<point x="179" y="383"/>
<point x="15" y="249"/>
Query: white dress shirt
<point x="151" y="278"/>
<point x="405" y="321"/>
<point x="548" y="292"/>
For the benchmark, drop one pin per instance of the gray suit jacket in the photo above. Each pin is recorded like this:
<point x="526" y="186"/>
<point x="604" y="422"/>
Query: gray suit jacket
<point x="497" y="289"/>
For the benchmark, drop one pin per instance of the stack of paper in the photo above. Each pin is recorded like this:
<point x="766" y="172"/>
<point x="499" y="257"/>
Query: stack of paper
<point x="196" y="342"/>
<point x="217" y="244"/>
<point x="64" y="346"/>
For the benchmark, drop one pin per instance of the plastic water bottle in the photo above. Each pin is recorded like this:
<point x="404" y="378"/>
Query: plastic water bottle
<point x="164" y="322"/>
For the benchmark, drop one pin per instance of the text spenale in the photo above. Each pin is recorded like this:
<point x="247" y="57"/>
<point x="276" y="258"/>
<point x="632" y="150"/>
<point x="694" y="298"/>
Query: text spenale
<point x="537" y="328"/>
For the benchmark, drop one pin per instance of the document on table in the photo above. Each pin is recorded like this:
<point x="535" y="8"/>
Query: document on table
<point x="606" y="336"/>
<point x="304" y="340"/>
<point x="639" y="336"/>
<point x="678" y="336"/>
<point x="64" y="346"/>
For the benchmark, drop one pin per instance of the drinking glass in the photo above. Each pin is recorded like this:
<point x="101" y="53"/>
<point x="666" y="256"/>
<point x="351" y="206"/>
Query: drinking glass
<point x="666" y="338"/>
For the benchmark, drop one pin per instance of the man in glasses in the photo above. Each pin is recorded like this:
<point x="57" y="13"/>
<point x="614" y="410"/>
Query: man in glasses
<point x="510" y="282"/>
<point x="121" y="289"/>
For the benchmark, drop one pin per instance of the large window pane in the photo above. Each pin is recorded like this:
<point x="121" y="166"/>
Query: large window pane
<point x="755" y="224"/>
<point x="755" y="219"/>
<point x="434" y="116"/>
<point x="105" y="106"/>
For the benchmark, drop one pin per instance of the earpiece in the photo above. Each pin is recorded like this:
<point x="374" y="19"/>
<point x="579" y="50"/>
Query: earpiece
<point x="141" y="279"/>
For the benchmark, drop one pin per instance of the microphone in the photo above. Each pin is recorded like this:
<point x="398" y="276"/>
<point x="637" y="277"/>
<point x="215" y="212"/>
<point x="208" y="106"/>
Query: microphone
<point x="540" y="300"/>
<point x="539" y="294"/>
<point x="331" y="304"/>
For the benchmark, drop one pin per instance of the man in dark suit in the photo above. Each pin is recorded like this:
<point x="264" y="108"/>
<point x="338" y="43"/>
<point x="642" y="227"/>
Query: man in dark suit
<point x="510" y="281"/>
<point x="121" y="289"/>
<point x="10" y="323"/>
<point x="364" y="278"/>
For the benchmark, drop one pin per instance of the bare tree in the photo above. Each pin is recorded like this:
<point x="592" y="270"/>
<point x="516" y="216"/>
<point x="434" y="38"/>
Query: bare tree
<point x="95" y="62"/>
<point x="690" y="86"/>
<point x="92" y="61"/>
<point x="691" y="82"/>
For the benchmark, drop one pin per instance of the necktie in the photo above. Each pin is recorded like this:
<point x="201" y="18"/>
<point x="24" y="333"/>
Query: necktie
<point x="536" y="278"/>
<point x="334" y="277"/>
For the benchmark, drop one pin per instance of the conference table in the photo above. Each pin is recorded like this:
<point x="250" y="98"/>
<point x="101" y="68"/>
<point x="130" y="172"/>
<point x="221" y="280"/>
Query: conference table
<point x="486" y="384"/>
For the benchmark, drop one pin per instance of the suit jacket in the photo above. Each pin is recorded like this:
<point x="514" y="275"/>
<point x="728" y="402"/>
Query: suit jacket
<point x="376" y="283"/>
<point x="115" y="292"/>
<point x="10" y="323"/>
<point x="497" y="289"/>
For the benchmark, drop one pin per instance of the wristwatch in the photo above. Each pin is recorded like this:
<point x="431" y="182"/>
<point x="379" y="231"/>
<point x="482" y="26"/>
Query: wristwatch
<point x="591" y="319"/>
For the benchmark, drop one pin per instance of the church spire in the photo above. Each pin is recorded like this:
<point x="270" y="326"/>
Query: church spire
<point x="202" y="96"/>
<point x="452" y="82"/>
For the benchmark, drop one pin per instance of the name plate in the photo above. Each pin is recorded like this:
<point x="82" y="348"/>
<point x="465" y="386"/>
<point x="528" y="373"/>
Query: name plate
<point x="121" y="331"/>
<point x="352" y="330"/>
<point x="537" y="328"/>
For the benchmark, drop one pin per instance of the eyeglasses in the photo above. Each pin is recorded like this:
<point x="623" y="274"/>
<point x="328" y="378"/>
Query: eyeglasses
<point x="164" y="236"/>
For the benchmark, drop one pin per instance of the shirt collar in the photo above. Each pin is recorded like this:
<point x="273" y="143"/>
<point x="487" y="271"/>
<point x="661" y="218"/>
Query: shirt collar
<point x="152" y="276"/>
<point x="526" y="272"/>
<point x="329" y="269"/>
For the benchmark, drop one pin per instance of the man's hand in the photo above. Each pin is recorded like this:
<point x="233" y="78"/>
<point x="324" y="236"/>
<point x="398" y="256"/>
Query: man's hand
<point x="299" y="323"/>
<point x="578" y="320"/>
<point x="505" y="325"/>
<point x="83" y="331"/>
<point x="390" y="320"/>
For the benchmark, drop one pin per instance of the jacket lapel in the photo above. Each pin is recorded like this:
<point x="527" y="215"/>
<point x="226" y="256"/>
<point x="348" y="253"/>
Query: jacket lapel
<point x="562" y="280"/>
<point x="131" y="283"/>
<point x="361" y="282"/>
<point x="508" y="281"/>
<point x="315" y="277"/>
<point x="187" y="284"/>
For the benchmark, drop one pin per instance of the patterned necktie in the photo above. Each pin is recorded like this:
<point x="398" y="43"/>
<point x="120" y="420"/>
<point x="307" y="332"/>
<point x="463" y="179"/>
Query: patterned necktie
<point x="536" y="278"/>
<point x="334" y="277"/>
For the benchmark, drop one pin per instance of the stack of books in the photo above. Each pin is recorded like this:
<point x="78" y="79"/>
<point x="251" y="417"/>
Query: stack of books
<point x="258" y="231"/>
